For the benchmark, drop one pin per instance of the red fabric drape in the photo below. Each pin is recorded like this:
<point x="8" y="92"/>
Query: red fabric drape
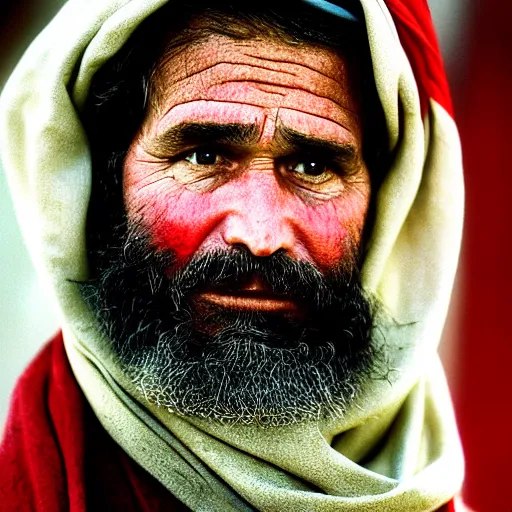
<point x="418" y="37"/>
<point x="56" y="457"/>
<point x="484" y="111"/>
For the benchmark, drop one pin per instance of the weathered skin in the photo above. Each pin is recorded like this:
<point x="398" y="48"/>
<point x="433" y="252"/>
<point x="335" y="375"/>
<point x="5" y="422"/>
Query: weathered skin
<point x="252" y="192"/>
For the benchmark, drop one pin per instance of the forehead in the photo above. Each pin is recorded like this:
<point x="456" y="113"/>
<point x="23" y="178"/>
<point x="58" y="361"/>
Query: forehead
<point x="220" y="79"/>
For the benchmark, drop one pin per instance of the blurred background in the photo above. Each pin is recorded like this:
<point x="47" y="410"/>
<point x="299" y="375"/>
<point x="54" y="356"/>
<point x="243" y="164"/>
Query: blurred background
<point x="477" y="344"/>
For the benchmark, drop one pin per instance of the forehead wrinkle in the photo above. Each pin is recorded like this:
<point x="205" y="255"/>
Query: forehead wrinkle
<point x="316" y="114"/>
<point x="259" y="105"/>
<point x="278" y="76"/>
<point x="303" y="77"/>
<point x="196" y="100"/>
<point x="211" y="67"/>
<point x="263" y="53"/>
<point x="296" y="88"/>
<point x="293" y="63"/>
<point x="253" y="102"/>
<point x="295" y="55"/>
<point x="219" y="77"/>
<point x="278" y="69"/>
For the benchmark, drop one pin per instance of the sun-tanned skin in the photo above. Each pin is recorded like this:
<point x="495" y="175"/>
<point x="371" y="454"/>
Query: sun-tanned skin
<point x="256" y="143"/>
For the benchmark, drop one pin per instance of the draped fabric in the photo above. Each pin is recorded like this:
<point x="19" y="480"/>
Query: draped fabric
<point x="397" y="446"/>
<point x="417" y="34"/>
<point x="57" y="458"/>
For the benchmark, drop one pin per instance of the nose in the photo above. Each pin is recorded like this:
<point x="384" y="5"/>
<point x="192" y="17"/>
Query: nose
<point x="259" y="221"/>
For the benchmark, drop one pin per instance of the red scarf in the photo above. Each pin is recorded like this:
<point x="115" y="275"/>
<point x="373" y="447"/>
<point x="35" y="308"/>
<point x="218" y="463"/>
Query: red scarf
<point x="55" y="456"/>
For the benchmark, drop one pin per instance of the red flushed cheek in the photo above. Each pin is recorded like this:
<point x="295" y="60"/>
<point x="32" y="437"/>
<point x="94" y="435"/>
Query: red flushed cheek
<point x="182" y="220"/>
<point x="331" y="231"/>
<point x="322" y="235"/>
<point x="184" y="230"/>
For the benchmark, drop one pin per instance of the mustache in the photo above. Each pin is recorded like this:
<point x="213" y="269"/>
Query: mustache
<point x="231" y="269"/>
<point x="139" y="289"/>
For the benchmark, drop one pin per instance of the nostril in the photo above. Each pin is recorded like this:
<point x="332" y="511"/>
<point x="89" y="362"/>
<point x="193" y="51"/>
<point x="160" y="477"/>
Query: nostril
<point x="258" y="245"/>
<point x="261" y="234"/>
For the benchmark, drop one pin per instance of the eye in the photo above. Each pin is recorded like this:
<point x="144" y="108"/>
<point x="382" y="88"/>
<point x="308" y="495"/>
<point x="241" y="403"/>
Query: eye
<point x="308" y="167"/>
<point x="203" y="157"/>
<point x="310" y="170"/>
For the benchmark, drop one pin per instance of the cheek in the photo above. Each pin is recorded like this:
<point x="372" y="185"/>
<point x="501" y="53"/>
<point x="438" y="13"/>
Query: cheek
<point x="180" y="221"/>
<point x="186" y="221"/>
<point x="332" y="231"/>
<point x="183" y="225"/>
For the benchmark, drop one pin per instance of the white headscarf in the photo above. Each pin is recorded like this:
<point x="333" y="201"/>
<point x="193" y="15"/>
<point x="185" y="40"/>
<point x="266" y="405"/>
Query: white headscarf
<point x="397" y="448"/>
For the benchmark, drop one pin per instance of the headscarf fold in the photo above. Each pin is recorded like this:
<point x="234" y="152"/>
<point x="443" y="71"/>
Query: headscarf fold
<point x="397" y="447"/>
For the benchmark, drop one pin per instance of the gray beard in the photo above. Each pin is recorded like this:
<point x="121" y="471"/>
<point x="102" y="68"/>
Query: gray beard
<point x="254" y="368"/>
<point x="248" y="382"/>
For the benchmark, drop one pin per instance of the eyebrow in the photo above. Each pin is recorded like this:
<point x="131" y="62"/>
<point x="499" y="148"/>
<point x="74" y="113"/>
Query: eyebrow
<point x="195" y="134"/>
<point x="188" y="135"/>
<point x="297" y="141"/>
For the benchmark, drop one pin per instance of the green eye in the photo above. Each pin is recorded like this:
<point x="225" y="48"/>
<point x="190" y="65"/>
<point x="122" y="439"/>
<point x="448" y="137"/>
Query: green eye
<point x="202" y="157"/>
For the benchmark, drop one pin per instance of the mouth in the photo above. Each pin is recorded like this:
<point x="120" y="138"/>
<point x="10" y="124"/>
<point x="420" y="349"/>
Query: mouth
<point x="256" y="302"/>
<point x="255" y="296"/>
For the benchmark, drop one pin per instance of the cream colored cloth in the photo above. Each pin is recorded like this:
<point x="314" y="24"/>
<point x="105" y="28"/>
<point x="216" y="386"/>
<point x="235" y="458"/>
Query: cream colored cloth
<point x="397" y="448"/>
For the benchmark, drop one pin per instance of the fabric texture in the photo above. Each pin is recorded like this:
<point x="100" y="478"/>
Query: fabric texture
<point x="397" y="447"/>
<point x="56" y="457"/>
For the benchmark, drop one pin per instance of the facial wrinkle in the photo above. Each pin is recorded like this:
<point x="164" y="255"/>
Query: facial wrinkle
<point x="215" y="77"/>
<point x="280" y="62"/>
<point x="326" y="61"/>
<point x="157" y="181"/>
<point x="225" y="205"/>
<point x="189" y="110"/>
<point x="269" y="127"/>
<point x="220" y="68"/>
<point x="314" y="118"/>
<point x="268" y="87"/>
<point x="279" y="89"/>
<point x="211" y="67"/>
<point x="306" y="64"/>
<point x="276" y="57"/>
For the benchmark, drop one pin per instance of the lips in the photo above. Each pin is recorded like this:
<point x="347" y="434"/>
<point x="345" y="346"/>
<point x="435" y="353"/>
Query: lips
<point x="255" y="296"/>
<point x="250" y="302"/>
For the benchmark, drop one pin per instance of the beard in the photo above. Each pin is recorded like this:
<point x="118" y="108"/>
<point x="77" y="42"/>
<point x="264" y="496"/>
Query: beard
<point x="233" y="365"/>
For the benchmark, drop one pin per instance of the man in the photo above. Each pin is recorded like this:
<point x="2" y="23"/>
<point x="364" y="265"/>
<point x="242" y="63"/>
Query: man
<point x="252" y="298"/>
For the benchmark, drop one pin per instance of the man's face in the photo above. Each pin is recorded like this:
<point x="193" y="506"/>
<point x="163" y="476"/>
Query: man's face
<point x="251" y="143"/>
<point x="234" y="294"/>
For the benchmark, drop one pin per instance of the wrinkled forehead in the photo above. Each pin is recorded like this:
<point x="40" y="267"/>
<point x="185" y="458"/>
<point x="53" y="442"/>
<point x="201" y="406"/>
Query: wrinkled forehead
<point x="131" y="77"/>
<point x="276" y="71"/>
<point x="325" y="39"/>
<point x="312" y="22"/>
